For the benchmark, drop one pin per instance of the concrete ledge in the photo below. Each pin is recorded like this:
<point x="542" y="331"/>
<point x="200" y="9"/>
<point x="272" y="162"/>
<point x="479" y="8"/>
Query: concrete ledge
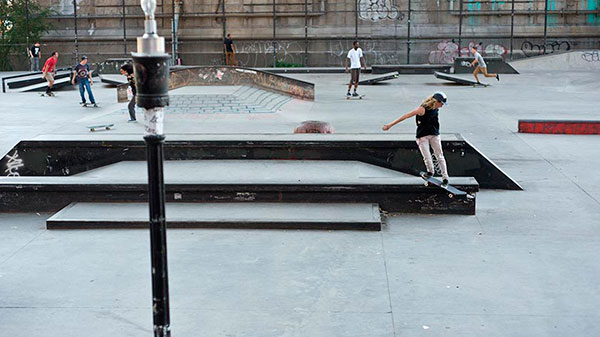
<point x="571" y="127"/>
<point x="63" y="155"/>
<point x="181" y="77"/>
<point x="404" y="198"/>
<point x="221" y="215"/>
<point x="222" y="75"/>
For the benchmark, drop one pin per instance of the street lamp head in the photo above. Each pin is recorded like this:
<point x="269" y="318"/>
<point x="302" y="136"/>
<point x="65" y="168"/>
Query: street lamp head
<point x="149" y="7"/>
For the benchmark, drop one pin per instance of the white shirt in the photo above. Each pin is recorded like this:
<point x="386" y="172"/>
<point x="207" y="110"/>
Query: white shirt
<point x="354" y="56"/>
<point x="480" y="60"/>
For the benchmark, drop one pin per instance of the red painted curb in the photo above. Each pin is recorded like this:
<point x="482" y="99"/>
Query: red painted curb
<point x="571" y="127"/>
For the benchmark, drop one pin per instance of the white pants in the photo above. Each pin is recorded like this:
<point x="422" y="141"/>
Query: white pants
<point x="436" y="144"/>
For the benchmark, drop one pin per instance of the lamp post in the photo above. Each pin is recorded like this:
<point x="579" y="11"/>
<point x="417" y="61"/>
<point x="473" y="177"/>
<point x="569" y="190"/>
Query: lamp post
<point x="152" y="79"/>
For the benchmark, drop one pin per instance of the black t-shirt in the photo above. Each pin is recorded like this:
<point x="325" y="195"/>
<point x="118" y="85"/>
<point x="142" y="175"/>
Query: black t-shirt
<point x="428" y="124"/>
<point x="82" y="71"/>
<point x="35" y="51"/>
<point x="228" y="44"/>
<point x="131" y="81"/>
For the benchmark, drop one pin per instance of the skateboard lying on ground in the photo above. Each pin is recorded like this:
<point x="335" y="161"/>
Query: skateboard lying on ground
<point x="452" y="191"/>
<point x="100" y="127"/>
<point x="355" y="97"/>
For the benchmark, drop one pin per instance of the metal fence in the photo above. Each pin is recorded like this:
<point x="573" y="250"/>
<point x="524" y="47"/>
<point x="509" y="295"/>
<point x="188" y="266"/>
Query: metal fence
<point x="319" y="32"/>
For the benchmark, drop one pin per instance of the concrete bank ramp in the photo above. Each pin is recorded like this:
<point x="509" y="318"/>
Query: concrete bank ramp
<point x="587" y="60"/>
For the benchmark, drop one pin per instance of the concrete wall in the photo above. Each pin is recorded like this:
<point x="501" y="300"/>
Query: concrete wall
<point x="382" y="27"/>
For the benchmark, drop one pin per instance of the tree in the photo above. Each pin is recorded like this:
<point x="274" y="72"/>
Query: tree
<point x="15" y="28"/>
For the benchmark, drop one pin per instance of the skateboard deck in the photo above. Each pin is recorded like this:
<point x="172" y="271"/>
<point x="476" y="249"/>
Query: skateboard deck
<point x="355" y="97"/>
<point x="100" y="127"/>
<point x="452" y="191"/>
<point x="47" y="95"/>
<point x="89" y="105"/>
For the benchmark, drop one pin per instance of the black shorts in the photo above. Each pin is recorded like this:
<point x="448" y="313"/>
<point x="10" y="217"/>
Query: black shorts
<point x="354" y="75"/>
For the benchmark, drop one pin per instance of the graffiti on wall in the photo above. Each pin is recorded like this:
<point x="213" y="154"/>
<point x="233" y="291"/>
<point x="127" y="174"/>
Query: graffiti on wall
<point x="533" y="49"/>
<point x="260" y="53"/>
<point x="377" y="10"/>
<point x="375" y="51"/>
<point x="591" y="56"/>
<point x="447" y="51"/>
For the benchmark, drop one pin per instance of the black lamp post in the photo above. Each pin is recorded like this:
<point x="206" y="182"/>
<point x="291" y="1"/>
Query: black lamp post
<point x="152" y="79"/>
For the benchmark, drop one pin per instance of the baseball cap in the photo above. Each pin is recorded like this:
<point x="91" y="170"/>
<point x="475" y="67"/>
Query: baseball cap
<point x="84" y="57"/>
<point x="441" y="97"/>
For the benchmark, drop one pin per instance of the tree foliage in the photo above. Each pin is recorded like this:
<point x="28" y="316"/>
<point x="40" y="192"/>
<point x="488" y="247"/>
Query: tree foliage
<point x="14" y="28"/>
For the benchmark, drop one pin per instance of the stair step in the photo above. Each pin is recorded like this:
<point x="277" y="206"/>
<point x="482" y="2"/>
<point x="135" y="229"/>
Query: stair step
<point x="335" y="216"/>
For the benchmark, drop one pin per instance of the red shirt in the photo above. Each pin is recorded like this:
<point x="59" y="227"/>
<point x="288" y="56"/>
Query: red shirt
<point x="49" y="65"/>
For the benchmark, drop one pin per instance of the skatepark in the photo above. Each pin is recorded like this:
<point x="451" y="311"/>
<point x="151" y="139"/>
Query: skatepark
<point x="518" y="259"/>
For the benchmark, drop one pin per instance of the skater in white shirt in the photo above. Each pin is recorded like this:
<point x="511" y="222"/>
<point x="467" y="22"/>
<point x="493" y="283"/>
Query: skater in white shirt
<point x="355" y="55"/>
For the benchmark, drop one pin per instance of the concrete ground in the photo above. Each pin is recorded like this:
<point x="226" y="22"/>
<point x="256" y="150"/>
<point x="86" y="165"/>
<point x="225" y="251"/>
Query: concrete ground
<point x="525" y="265"/>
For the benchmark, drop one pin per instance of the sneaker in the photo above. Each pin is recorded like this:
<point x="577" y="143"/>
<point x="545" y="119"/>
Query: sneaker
<point x="348" y="94"/>
<point x="355" y="94"/>
<point x="426" y="175"/>
<point x="132" y="121"/>
<point x="498" y="77"/>
<point x="82" y="103"/>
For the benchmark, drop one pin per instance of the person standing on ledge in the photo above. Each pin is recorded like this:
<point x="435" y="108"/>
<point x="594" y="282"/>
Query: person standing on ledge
<point x="355" y="55"/>
<point x="84" y="77"/>
<point x="229" y="51"/>
<point x="48" y="72"/>
<point x="481" y="66"/>
<point x="35" y="52"/>
<point x="428" y="132"/>
<point x="127" y="71"/>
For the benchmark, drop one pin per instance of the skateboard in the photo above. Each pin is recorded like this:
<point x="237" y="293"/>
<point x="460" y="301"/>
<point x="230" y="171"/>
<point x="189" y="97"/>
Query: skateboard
<point x="90" y="105"/>
<point x="48" y="95"/>
<point x="100" y="127"/>
<point x="355" y="97"/>
<point x="485" y="85"/>
<point x="452" y="191"/>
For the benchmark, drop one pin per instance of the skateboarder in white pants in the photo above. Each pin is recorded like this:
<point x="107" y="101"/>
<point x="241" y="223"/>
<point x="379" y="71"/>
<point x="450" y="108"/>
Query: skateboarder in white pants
<point x="355" y="55"/>
<point x="481" y="66"/>
<point x="428" y="132"/>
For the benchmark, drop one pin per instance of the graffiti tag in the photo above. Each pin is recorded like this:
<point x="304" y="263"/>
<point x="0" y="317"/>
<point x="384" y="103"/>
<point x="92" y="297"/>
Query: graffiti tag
<point x="13" y="165"/>
<point x="377" y="10"/>
<point x="591" y="56"/>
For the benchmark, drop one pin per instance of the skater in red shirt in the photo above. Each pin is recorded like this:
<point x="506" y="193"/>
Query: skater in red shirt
<point x="49" y="71"/>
